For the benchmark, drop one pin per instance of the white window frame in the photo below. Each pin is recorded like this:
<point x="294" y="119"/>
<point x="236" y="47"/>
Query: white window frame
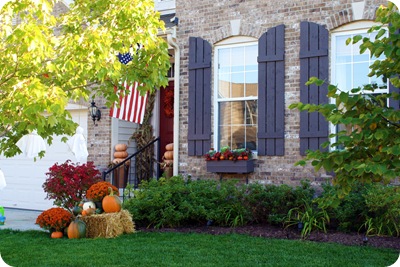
<point x="354" y="28"/>
<point x="239" y="41"/>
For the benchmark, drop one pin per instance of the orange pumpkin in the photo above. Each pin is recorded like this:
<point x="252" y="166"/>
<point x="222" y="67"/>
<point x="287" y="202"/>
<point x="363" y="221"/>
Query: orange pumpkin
<point x="111" y="203"/>
<point x="57" y="234"/>
<point x="77" y="229"/>
<point x="169" y="147"/>
<point x="120" y="154"/>
<point x="169" y="154"/>
<point x="121" y="147"/>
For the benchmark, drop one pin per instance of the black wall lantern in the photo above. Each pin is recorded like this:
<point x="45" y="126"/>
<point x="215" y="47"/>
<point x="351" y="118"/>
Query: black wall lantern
<point x="94" y="112"/>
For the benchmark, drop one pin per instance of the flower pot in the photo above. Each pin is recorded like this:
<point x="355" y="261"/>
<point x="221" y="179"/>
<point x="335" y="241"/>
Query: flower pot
<point x="168" y="172"/>
<point x="230" y="166"/>
<point x="120" y="176"/>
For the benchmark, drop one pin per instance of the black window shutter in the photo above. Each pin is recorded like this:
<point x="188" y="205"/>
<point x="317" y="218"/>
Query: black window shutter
<point x="271" y="85"/>
<point x="314" y="62"/>
<point x="199" y="124"/>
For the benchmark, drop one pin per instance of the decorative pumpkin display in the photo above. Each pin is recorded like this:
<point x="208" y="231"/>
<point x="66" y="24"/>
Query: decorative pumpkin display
<point x="121" y="147"/>
<point x="77" y="210"/>
<point x="120" y="154"/>
<point x="111" y="203"/>
<point x="88" y="205"/>
<point x="77" y="229"/>
<point x="57" y="234"/>
<point x="169" y="147"/>
<point x="169" y="154"/>
<point x="88" y="212"/>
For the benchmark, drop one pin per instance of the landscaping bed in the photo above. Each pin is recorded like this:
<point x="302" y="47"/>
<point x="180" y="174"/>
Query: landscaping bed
<point x="269" y="231"/>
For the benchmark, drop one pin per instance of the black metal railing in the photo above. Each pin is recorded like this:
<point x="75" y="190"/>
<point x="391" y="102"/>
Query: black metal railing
<point x="126" y="172"/>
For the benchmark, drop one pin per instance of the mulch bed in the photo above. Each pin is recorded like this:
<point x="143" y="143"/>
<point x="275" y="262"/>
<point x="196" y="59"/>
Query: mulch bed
<point x="268" y="231"/>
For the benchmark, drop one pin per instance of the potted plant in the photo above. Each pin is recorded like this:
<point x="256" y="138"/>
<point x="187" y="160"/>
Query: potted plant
<point x="55" y="220"/>
<point x="229" y="160"/>
<point x="99" y="190"/>
<point x="167" y="166"/>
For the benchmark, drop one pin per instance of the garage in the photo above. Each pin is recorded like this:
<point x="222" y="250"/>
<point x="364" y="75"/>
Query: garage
<point x="24" y="176"/>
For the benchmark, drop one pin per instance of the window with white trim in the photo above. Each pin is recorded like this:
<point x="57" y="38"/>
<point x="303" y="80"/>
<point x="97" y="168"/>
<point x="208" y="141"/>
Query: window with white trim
<point x="235" y="94"/>
<point x="349" y="68"/>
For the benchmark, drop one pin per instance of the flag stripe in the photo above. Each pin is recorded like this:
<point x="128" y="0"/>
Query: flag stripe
<point x="132" y="106"/>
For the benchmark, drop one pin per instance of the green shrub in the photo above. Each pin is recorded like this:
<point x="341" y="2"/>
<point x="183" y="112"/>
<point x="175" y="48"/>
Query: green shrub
<point x="383" y="204"/>
<point x="175" y="202"/>
<point x="347" y="214"/>
<point x="271" y="203"/>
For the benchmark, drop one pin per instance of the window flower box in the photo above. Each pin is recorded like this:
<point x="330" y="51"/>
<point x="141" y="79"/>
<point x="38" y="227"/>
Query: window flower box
<point x="230" y="166"/>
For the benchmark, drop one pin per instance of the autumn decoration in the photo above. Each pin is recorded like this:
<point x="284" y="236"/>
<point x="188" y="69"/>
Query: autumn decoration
<point x="54" y="219"/>
<point x="99" y="190"/>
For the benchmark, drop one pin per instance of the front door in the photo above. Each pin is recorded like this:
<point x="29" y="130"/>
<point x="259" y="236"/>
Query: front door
<point x="166" y="116"/>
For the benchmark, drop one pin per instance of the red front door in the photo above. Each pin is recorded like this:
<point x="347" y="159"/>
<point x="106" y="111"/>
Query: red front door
<point x="166" y="116"/>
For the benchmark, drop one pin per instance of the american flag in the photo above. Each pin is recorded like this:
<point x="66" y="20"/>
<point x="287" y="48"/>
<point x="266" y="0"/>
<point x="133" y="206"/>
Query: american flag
<point x="132" y="105"/>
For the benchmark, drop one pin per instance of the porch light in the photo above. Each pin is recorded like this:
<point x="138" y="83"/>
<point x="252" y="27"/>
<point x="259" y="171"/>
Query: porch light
<point x="94" y="112"/>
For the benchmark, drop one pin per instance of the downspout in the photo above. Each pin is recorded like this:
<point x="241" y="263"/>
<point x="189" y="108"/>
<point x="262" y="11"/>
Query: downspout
<point x="171" y="41"/>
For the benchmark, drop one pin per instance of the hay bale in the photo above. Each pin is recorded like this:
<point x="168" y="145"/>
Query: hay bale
<point x="108" y="225"/>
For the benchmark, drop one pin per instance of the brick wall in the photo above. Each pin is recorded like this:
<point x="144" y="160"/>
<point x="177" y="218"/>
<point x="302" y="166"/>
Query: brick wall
<point x="211" y="20"/>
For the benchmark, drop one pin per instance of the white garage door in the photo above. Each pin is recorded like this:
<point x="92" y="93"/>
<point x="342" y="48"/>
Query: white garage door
<point x="25" y="177"/>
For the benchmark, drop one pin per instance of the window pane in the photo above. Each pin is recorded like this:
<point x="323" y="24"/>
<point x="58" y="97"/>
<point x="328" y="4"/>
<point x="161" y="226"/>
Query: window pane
<point x="237" y="84"/>
<point x="360" y="74"/>
<point x="237" y="80"/>
<point x="251" y="112"/>
<point x="251" y="54"/>
<point x="237" y="59"/>
<point x="225" y="111"/>
<point x="224" y="86"/>
<point x="343" y="77"/>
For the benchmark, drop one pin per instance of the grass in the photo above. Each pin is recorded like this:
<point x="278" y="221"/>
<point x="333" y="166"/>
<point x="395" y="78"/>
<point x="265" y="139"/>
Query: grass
<point x="36" y="248"/>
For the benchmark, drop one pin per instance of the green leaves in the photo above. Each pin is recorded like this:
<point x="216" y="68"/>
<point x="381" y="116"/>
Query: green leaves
<point x="40" y="71"/>
<point x="367" y="146"/>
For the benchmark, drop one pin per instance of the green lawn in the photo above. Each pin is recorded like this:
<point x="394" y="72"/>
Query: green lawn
<point x="36" y="248"/>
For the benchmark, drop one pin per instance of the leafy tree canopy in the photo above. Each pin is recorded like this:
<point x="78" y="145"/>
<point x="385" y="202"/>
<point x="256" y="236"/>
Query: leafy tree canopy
<point x="369" y="149"/>
<point x="47" y="61"/>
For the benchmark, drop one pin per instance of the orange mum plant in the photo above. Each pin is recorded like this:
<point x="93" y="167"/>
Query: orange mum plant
<point x="99" y="190"/>
<point x="54" y="219"/>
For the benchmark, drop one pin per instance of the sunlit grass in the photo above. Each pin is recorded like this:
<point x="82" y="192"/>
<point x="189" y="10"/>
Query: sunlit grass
<point x="36" y="248"/>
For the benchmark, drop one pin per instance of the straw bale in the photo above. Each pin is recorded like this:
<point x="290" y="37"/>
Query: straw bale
<point x="108" y="225"/>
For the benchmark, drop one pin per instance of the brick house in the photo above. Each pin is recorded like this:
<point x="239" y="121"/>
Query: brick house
<point x="236" y="67"/>
<point x="229" y="48"/>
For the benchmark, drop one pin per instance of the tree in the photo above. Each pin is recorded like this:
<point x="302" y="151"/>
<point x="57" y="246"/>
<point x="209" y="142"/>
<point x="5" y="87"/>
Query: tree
<point x="370" y="148"/>
<point x="47" y="61"/>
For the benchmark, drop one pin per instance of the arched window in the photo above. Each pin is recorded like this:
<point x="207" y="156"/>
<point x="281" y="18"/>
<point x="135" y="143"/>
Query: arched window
<point x="236" y="93"/>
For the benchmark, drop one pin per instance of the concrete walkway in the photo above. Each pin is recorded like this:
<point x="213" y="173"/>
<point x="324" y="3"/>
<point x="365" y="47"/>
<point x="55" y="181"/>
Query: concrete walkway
<point x="18" y="219"/>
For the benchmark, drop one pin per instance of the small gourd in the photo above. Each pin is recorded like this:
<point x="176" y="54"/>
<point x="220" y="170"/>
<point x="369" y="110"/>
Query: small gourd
<point x="89" y="205"/>
<point x="76" y="229"/>
<point x="57" y="234"/>
<point x="77" y="210"/>
<point x="88" y="212"/>
<point x="111" y="203"/>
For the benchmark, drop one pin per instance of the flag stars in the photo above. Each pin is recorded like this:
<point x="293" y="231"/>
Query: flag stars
<point x="125" y="58"/>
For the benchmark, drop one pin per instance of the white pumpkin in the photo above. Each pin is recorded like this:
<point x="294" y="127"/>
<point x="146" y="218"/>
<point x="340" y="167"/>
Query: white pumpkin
<point x="88" y="205"/>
